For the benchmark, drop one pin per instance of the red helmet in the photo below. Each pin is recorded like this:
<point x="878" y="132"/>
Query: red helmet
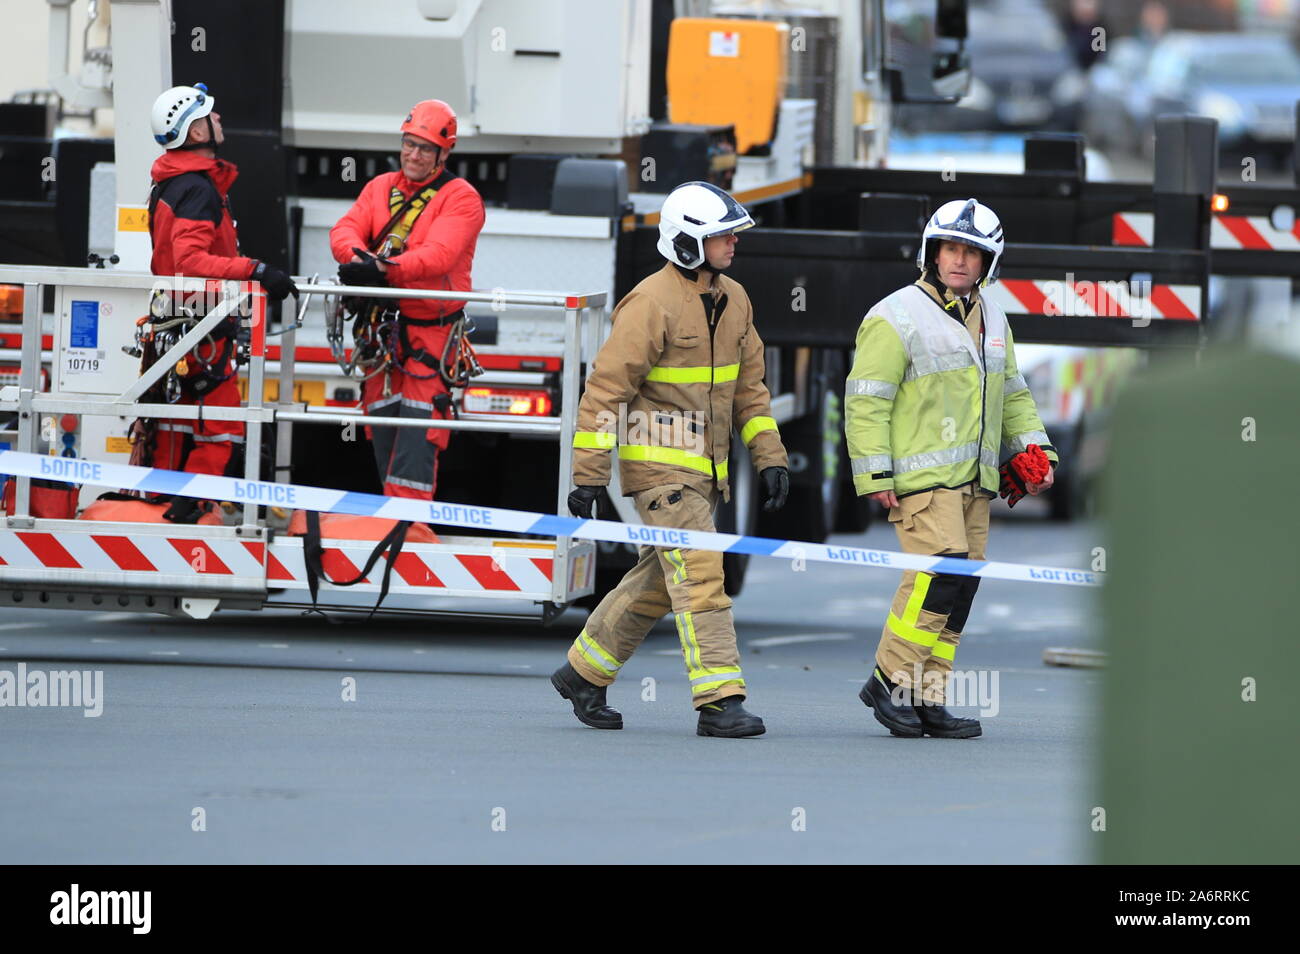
<point x="433" y="120"/>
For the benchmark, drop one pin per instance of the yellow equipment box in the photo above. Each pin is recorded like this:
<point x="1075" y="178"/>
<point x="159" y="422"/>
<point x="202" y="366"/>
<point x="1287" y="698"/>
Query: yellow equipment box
<point x="728" y="72"/>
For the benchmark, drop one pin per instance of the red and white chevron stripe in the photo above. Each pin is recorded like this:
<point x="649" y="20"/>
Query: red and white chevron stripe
<point x="1253" y="232"/>
<point x="1085" y="299"/>
<point x="124" y="556"/>
<point x="466" y="566"/>
<point x="457" y="567"/>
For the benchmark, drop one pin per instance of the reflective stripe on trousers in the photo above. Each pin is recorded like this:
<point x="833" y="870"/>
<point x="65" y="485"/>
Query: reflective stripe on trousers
<point x="686" y="583"/>
<point x="906" y="628"/>
<point x="591" y="651"/>
<point x="407" y="462"/>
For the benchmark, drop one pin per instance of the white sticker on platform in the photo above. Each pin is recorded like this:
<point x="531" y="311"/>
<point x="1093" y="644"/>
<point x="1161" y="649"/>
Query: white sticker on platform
<point x="724" y="43"/>
<point x="83" y="362"/>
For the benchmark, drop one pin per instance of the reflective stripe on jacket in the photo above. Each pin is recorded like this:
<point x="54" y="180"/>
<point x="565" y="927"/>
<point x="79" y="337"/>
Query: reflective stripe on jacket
<point x="925" y="406"/>
<point x="683" y="364"/>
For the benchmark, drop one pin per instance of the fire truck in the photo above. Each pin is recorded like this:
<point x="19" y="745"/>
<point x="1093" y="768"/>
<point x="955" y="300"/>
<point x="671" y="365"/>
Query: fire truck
<point x="576" y="118"/>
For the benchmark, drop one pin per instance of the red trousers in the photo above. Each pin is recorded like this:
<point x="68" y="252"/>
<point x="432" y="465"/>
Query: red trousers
<point x="213" y="441"/>
<point x="407" y="457"/>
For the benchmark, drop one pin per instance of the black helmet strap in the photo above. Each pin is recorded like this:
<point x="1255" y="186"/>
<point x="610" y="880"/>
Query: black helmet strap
<point x="688" y="249"/>
<point x="211" y="141"/>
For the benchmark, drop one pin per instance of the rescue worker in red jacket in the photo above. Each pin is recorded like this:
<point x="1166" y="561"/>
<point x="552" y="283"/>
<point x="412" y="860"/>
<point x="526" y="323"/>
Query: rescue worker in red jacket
<point x="424" y="222"/>
<point x="193" y="235"/>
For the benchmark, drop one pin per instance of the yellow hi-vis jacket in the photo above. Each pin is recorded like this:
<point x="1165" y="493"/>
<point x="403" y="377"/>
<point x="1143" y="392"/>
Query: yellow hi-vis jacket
<point x="927" y="406"/>
<point x="682" y="365"/>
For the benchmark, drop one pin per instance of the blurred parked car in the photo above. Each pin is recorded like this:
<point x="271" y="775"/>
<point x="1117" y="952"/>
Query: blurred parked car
<point x="1023" y="76"/>
<point x="1000" y="153"/>
<point x="1116" y="96"/>
<point x="1249" y="82"/>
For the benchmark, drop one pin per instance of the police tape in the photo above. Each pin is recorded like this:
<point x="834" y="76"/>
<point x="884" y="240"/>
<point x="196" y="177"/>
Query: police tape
<point x="264" y="493"/>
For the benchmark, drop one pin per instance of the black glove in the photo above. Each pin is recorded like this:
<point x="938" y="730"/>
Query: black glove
<point x="277" y="283"/>
<point x="582" y="502"/>
<point x="1012" y="487"/>
<point x="777" y="482"/>
<point x="362" y="273"/>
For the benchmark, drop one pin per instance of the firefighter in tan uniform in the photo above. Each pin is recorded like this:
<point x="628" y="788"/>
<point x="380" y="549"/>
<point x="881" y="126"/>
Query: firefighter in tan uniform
<point x="683" y="365"/>
<point x="933" y="400"/>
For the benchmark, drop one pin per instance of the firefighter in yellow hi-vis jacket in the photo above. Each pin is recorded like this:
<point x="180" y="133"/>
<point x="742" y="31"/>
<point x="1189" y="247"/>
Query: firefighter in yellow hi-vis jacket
<point x="933" y="397"/>
<point x="683" y="364"/>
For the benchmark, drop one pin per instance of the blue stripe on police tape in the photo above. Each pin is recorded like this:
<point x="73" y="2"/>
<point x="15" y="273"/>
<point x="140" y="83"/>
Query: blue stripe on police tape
<point x="99" y="473"/>
<point x="358" y="503"/>
<point x="550" y="525"/>
<point x="169" y="481"/>
<point x="758" y="546"/>
<point x="955" y="565"/>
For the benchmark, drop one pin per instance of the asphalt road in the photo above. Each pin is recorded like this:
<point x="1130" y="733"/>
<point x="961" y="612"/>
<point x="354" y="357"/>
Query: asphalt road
<point x="457" y="749"/>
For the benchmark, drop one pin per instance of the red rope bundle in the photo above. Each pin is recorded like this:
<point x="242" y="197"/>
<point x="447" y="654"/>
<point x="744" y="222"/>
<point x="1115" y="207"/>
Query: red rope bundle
<point x="1028" y="467"/>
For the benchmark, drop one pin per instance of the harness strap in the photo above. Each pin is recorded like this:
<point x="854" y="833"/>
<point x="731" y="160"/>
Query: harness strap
<point x="313" y="556"/>
<point x="404" y="213"/>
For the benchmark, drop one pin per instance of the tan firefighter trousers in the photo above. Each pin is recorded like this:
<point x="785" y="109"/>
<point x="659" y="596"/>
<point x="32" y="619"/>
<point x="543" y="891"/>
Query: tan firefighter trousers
<point x="919" y="641"/>
<point x="687" y="583"/>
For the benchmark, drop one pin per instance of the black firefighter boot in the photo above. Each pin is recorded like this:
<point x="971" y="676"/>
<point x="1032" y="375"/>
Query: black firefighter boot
<point x="728" y="719"/>
<point x="900" y="717"/>
<point x="588" y="699"/>
<point x="939" y="723"/>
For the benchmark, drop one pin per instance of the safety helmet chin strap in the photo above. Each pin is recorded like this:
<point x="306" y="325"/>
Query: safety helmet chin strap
<point x="211" y="142"/>
<point x="931" y="277"/>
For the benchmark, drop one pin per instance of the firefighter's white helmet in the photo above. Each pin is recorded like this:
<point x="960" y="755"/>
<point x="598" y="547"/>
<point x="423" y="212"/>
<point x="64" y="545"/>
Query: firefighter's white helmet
<point x="966" y="221"/>
<point x="693" y="212"/>
<point x="175" y="109"/>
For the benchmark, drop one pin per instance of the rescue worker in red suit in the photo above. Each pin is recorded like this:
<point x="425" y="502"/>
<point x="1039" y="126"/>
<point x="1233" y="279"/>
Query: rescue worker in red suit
<point x="193" y="235"/>
<point x="437" y="252"/>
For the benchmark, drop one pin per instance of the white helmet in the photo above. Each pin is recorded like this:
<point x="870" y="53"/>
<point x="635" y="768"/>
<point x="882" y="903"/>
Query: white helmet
<point x="175" y="110"/>
<point x="693" y="212"/>
<point x="966" y="221"/>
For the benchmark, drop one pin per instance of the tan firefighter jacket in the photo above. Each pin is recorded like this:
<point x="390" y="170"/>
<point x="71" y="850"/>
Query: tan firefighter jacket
<point x="682" y="366"/>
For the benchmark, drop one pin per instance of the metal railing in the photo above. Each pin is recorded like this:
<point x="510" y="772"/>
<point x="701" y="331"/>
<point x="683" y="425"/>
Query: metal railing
<point x="256" y="413"/>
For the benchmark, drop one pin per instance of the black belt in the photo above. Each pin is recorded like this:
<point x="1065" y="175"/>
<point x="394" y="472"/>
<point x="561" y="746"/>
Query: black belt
<point x="454" y="317"/>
